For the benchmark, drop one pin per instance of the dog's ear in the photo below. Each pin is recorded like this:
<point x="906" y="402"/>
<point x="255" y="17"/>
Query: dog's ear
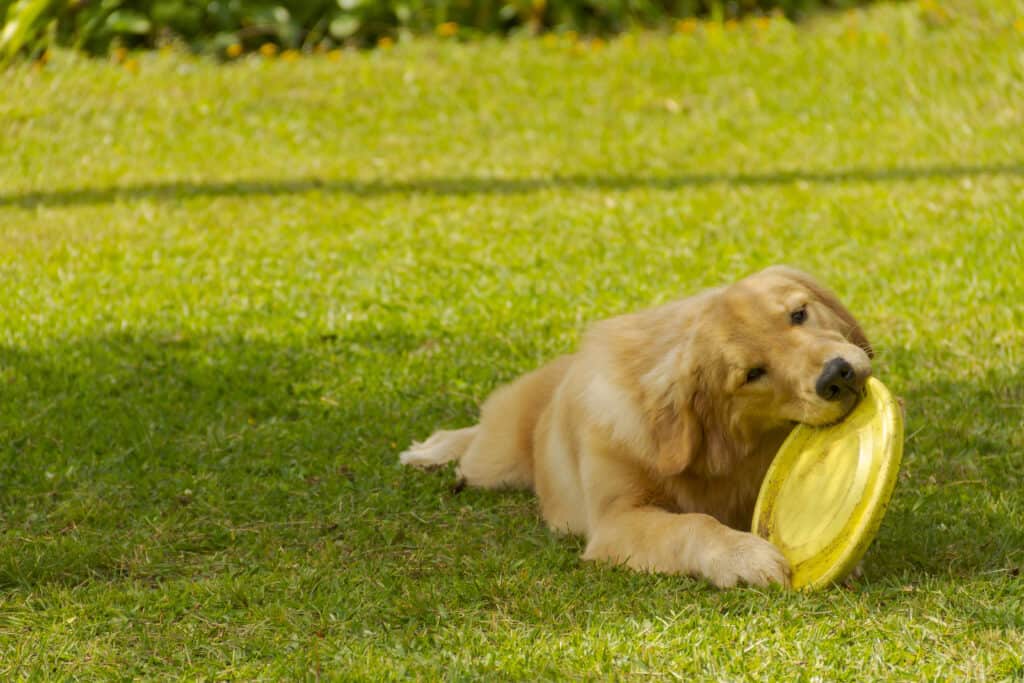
<point x="679" y="439"/>
<point x="654" y="353"/>
<point x="695" y="434"/>
<point x="723" y="449"/>
<point x="662" y="373"/>
<point x="854" y="332"/>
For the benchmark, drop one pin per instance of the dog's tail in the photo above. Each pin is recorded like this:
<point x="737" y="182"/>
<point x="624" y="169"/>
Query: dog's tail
<point x="443" y="446"/>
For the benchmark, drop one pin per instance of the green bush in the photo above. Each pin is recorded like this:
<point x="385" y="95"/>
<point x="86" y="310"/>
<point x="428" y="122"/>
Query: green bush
<point x="212" y="25"/>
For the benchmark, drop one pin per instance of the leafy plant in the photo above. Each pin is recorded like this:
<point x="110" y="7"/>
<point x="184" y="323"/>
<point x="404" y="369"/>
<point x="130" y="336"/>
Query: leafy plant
<point x="96" y="25"/>
<point x="23" y="23"/>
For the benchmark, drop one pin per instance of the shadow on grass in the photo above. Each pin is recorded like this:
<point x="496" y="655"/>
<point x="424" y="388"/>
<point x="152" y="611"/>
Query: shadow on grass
<point x="150" y="457"/>
<point x="173" y="190"/>
<point x="959" y="505"/>
<point x="166" y="445"/>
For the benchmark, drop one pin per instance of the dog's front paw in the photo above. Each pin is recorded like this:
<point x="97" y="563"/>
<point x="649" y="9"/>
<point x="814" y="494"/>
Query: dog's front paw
<point x="745" y="558"/>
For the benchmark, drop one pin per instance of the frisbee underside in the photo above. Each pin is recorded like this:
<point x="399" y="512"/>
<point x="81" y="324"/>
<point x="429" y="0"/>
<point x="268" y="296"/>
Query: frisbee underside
<point x="828" y="488"/>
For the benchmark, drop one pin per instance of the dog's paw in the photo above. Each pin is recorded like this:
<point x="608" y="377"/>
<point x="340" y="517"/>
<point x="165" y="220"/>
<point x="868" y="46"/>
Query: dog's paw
<point x="427" y="454"/>
<point x="419" y="455"/>
<point x="745" y="558"/>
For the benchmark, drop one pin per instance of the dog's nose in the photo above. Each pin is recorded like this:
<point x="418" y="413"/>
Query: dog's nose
<point x="837" y="378"/>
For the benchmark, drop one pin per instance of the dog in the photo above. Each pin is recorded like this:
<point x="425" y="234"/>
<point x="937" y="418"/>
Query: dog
<point x="652" y="440"/>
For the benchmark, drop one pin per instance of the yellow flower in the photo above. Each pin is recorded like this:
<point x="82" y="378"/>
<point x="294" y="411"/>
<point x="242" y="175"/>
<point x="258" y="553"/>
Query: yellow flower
<point x="762" y="23"/>
<point x="571" y="37"/>
<point x="233" y="50"/>
<point x="597" y="44"/>
<point x="334" y="55"/>
<point x="550" y="40"/>
<point x="686" y="25"/>
<point x="131" y="65"/>
<point x="290" y="55"/>
<point x="1019" y="25"/>
<point x="119" y="54"/>
<point x="731" y="25"/>
<point x="384" y="42"/>
<point x="447" y="29"/>
<point x="268" y="50"/>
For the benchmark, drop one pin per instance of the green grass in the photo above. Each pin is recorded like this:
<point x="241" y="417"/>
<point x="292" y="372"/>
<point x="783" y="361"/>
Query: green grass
<point x="231" y="295"/>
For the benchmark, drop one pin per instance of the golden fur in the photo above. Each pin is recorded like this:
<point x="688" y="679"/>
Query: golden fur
<point x="653" y="439"/>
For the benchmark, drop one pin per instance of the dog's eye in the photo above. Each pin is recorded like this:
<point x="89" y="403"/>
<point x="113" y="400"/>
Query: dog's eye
<point x="755" y="374"/>
<point x="798" y="316"/>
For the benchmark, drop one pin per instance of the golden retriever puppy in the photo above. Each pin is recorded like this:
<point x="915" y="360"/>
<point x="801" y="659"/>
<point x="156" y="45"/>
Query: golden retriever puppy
<point x="653" y="439"/>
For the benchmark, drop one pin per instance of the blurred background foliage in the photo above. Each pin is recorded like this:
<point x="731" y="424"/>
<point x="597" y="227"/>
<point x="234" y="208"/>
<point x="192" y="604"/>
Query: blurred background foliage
<point x="226" y="26"/>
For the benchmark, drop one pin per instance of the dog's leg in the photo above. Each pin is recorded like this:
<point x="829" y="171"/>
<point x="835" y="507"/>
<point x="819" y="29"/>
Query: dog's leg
<point x="625" y="526"/>
<point x="443" y="446"/>
<point x="653" y="539"/>
<point x="498" y="452"/>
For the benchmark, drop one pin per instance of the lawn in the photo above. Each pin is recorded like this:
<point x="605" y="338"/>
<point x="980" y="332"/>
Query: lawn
<point x="231" y="294"/>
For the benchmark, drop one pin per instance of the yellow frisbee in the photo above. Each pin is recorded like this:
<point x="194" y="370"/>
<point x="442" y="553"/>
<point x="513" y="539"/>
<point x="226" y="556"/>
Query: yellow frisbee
<point x="827" y="490"/>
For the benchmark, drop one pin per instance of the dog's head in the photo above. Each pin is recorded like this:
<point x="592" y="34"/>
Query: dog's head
<point x="778" y="345"/>
<point x="761" y="355"/>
